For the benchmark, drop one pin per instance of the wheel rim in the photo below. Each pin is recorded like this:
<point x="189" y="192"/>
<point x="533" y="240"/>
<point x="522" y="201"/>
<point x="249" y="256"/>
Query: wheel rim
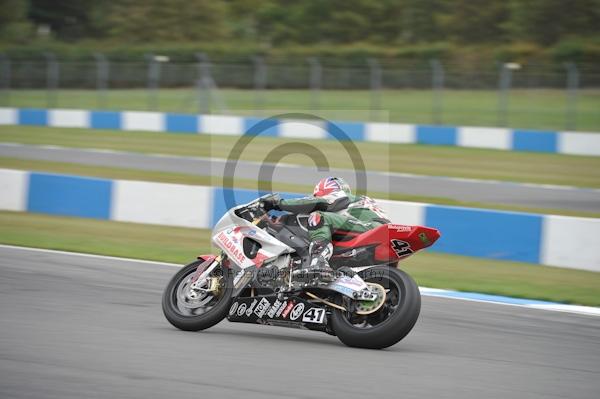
<point x="394" y="300"/>
<point x="192" y="302"/>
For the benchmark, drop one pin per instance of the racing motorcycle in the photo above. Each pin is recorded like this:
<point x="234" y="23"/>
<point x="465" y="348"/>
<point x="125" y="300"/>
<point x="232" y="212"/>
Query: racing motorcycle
<point x="260" y="277"/>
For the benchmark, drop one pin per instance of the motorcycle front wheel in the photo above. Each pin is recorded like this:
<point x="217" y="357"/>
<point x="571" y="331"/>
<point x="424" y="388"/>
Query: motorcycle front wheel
<point x="390" y="323"/>
<point x="194" y="310"/>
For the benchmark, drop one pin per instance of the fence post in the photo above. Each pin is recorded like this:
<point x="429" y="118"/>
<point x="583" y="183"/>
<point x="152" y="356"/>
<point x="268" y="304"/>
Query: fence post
<point x="375" y="75"/>
<point x="203" y="84"/>
<point x="153" y="78"/>
<point x="572" y="93"/>
<point x="102" y="74"/>
<point x="437" y="89"/>
<point x="6" y="78"/>
<point x="52" y="78"/>
<point x="260" y="82"/>
<point x="314" y="82"/>
<point x="504" y="84"/>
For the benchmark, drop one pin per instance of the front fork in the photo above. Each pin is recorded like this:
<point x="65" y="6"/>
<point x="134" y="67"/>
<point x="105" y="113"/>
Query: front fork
<point x="200" y="280"/>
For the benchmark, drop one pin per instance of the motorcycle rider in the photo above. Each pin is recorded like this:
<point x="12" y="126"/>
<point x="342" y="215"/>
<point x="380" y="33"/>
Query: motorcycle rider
<point x="333" y="210"/>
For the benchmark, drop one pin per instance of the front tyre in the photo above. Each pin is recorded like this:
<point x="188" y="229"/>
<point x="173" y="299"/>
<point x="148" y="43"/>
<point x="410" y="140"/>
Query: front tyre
<point x="392" y="322"/>
<point x="194" y="310"/>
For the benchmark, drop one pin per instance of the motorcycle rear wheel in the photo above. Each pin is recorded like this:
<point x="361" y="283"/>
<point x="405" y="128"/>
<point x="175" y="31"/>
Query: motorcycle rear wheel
<point x="198" y="314"/>
<point x="388" y="325"/>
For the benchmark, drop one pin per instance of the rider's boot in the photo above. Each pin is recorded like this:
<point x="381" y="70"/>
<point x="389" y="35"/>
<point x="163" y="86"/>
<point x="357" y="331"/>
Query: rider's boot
<point x="318" y="267"/>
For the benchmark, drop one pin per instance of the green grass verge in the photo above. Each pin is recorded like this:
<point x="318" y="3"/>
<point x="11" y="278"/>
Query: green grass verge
<point x="417" y="159"/>
<point x="534" y="108"/>
<point x="179" y="178"/>
<point x="161" y="243"/>
<point x="180" y="245"/>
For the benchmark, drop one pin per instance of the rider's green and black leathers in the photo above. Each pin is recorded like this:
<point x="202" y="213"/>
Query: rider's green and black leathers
<point x="336" y="213"/>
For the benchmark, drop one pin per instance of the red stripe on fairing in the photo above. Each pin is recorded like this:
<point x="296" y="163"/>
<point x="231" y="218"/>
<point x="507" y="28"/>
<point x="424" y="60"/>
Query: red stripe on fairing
<point x="259" y="259"/>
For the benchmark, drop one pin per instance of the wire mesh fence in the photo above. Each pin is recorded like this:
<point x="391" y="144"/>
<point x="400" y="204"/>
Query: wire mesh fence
<point x="527" y="96"/>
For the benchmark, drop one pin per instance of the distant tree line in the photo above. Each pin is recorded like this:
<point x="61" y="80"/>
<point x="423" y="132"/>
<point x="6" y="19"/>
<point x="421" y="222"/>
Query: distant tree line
<point x="284" y="22"/>
<point x="466" y="32"/>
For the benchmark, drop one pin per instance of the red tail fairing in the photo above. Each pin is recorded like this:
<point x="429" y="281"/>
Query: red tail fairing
<point x="393" y="241"/>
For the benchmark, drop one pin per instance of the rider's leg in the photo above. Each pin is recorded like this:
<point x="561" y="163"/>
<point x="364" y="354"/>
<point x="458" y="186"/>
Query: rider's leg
<point x="321" y="225"/>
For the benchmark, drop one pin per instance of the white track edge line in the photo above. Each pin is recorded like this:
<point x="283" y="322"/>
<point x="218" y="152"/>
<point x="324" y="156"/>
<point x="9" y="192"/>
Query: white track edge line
<point x="564" y="308"/>
<point x="32" y="249"/>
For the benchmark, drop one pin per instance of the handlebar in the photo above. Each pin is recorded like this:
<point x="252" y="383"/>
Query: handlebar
<point x="253" y="211"/>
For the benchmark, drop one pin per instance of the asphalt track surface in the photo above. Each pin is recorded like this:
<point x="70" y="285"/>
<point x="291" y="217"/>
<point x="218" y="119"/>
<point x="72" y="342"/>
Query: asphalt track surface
<point x="530" y="195"/>
<point x="87" y="327"/>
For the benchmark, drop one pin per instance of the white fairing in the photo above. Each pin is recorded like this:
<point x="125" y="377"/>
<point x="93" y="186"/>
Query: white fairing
<point x="229" y="233"/>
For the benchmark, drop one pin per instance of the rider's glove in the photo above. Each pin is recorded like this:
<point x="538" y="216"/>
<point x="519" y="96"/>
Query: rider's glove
<point x="270" y="203"/>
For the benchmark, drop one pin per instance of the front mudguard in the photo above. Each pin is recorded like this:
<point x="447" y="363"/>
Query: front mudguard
<point x="207" y="260"/>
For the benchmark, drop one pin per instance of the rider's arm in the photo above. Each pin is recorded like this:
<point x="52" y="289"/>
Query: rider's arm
<point x="303" y="205"/>
<point x="330" y="203"/>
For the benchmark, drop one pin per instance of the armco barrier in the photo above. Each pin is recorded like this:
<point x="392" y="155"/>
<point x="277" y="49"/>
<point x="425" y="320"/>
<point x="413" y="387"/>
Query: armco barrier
<point x="552" y="240"/>
<point x="574" y="143"/>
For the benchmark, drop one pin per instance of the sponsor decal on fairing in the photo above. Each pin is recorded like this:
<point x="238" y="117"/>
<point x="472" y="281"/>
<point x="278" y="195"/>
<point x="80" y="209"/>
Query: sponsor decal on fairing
<point x="233" y="308"/>
<point x="251" y="308"/>
<point x="281" y="308"/>
<point x="231" y="248"/>
<point x="400" y="228"/>
<point x="262" y="308"/>
<point x="241" y="309"/>
<point x="287" y="309"/>
<point x="273" y="309"/>
<point x="297" y="311"/>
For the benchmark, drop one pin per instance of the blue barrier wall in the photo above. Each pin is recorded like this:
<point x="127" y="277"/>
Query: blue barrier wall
<point x="436" y="135"/>
<point x="465" y="231"/>
<point x="105" y="120"/>
<point x="484" y="233"/>
<point x="69" y="195"/>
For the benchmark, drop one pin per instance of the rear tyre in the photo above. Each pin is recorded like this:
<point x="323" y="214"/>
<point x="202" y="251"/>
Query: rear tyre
<point x="202" y="312"/>
<point x="392" y="322"/>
